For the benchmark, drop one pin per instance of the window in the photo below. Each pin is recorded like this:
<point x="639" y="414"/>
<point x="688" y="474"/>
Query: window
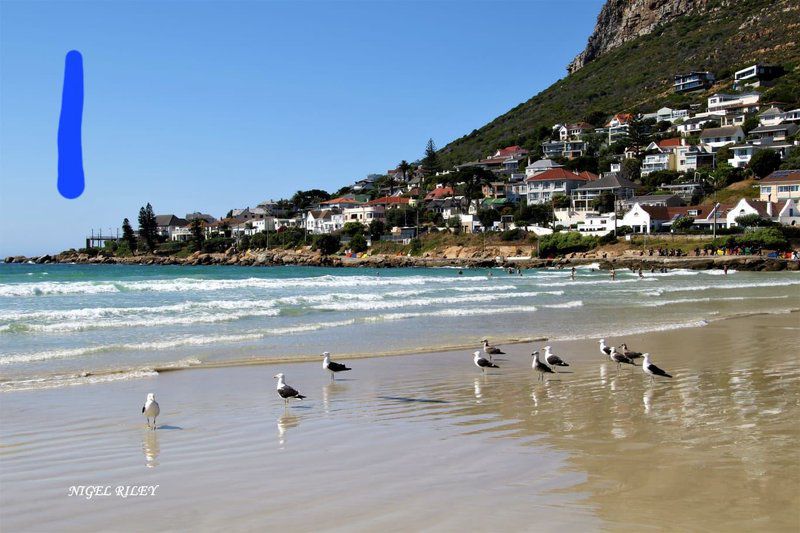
<point x="788" y="188"/>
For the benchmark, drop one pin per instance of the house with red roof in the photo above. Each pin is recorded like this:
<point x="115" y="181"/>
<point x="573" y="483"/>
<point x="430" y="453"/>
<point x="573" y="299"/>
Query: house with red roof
<point x="543" y="187"/>
<point x="390" y="202"/>
<point x="661" y="155"/>
<point x="342" y="202"/>
<point x="439" y="193"/>
<point x="618" y="127"/>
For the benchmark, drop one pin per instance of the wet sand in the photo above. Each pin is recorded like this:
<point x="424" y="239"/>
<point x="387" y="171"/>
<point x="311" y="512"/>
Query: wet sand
<point x="427" y="442"/>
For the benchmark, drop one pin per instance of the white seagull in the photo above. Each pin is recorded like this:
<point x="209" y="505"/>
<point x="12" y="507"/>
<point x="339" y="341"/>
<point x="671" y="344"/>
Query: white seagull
<point x="482" y="362"/>
<point x="653" y="370"/>
<point x="605" y="350"/>
<point x="332" y="366"/>
<point x="553" y="360"/>
<point x="150" y="409"/>
<point x="540" y="367"/>
<point x="490" y="350"/>
<point x="619" y="358"/>
<point x="285" y="391"/>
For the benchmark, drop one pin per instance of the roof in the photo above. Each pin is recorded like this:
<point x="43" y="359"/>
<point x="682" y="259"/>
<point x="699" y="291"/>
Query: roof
<point x="169" y="220"/>
<point x="544" y="164"/>
<point x="656" y="212"/>
<point x="771" y="110"/>
<point x="509" y="150"/>
<point x="439" y="192"/>
<point x="669" y="143"/>
<point x="320" y="213"/>
<point x="724" y="131"/>
<point x="591" y="176"/>
<point x="652" y="198"/>
<point x="703" y="211"/>
<point x="385" y="200"/>
<point x="341" y="200"/>
<point x="761" y="207"/>
<point x="789" y="127"/>
<point x="557" y="174"/>
<point x="783" y="176"/>
<point x="610" y="180"/>
<point x="622" y="118"/>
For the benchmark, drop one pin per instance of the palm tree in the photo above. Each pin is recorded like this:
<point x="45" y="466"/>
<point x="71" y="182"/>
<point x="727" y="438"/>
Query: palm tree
<point x="404" y="167"/>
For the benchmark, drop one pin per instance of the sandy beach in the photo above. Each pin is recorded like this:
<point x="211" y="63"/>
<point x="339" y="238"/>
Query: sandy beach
<point x="427" y="442"/>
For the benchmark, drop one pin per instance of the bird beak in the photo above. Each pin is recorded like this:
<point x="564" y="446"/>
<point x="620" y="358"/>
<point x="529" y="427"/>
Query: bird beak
<point x="275" y="376"/>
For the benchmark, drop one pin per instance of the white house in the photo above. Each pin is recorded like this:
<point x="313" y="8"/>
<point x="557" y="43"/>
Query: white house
<point x="645" y="218"/>
<point x="542" y="188"/>
<point x="721" y="102"/>
<point x="597" y="224"/>
<point x="315" y="220"/>
<point x="750" y="207"/>
<point x="542" y="165"/>
<point x="692" y="126"/>
<point x="771" y="116"/>
<point x="667" y="114"/>
<point x="618" y="127"/>
<point x="364" y="214"/>
<point x="716" y="138"/>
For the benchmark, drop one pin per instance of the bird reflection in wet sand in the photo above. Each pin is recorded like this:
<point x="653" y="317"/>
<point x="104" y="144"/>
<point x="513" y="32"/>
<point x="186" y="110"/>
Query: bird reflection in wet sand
<point x="647" y="400"/>
<point x="150" y="448"/>
<point x="286" y="422"/>
<point x="478" y="394"/>
<point x="329" y="390"/>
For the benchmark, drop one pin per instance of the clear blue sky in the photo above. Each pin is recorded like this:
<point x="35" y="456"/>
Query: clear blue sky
<point x="213" y="105"/>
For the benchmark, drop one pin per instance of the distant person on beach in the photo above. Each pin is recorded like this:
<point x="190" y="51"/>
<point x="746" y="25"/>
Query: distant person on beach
<point x="460" y="272"/>
<point x="613" y="274"/>
<point x="640" y="272"/>
<point x="725" y="269"/>
<point x="572" y="274"/>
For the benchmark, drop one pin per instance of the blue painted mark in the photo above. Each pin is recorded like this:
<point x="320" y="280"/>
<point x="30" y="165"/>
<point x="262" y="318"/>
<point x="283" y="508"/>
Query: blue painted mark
<point x="70" y="157"/>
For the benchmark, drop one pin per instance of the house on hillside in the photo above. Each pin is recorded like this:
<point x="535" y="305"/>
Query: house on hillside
<point x="645" y="218"/>
<point x="573" y="131"/>
<point x="349" y="200"/>
<point x="688" y="157"/>
<point x="705" y="216"/>
<point x="618" y="127"/>
<point x="756" y="75"/>
<point x="583" y="197"/>
<point x="693" y="81"/>
<point x="364" y="214"/>
<point x="391" y="202"/>
<point x="771" y="116"/>
<point x="722" y="103"/>
<point x="655" y="200"/>
<point x="781" y="185"/>
<point x="692" y="126"/>
<point x="716" y="138"/>
<point x="661" y="155"/>
<point x="784" y="212"/>
<point x="439" y="193"/>
<point x="569" y="149"/>
<point x="543" y="187"/>
<point x="537" y="167"/>
<point x="772" y="134"/>
<point x="166" y="225"/>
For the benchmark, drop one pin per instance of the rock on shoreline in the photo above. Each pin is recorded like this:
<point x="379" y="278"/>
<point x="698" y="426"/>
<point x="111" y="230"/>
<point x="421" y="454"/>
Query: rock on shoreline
<point x="464" y="257"/>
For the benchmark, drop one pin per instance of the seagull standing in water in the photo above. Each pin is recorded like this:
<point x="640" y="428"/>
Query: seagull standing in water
<point x="490" y="350"/>
<point x="605" y="350"/>
<point x="332" y="366"/>
<point x="482" y="362"/>
<point x="653" y="370"/>
<point x="553" y="360"/>
<point x="628" y="353"/>
<point x="150" y="409"/>
<point x="619" y="358"/>
<point x="540" y="367"/>
<point x="285" y="391"/>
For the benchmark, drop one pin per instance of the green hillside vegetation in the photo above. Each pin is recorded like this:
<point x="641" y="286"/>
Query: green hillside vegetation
<point x="638" y="76"/>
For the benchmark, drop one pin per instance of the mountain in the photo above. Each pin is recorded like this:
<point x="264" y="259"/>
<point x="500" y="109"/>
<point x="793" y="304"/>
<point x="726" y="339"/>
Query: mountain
<point x="634" y="52"/>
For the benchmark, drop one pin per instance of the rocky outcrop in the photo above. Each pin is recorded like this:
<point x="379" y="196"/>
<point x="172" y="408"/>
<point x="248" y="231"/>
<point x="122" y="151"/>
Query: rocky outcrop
<point x="623" y="20"/>
<point x="455" y="256"/>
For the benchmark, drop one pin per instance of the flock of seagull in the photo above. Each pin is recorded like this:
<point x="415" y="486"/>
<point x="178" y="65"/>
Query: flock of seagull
<point x="546" y="365"/>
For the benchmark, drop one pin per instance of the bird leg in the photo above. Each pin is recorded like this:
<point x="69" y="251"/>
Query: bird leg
<point x="154" y="423"/>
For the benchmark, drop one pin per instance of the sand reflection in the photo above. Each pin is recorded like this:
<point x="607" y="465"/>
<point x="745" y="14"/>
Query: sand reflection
<point x="150" y="448"/>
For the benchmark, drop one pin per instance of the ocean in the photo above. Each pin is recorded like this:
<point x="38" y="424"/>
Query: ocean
<point x="68" y="325"/>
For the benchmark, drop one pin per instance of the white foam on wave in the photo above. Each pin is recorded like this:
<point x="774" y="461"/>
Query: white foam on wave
<point x="708" y="299"/>
<point x="71" y="380"/>
<point x="632" y="330"/>
<point x="453" y="313"/>
<point x="205" y="285"/>
<point x="565" y="305"/>
<point x="418" y="302"/>
<point x="729" y="286"/>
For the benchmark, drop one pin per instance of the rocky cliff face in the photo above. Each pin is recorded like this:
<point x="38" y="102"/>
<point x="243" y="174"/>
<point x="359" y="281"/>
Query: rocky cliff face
<point x="622" y="20"/>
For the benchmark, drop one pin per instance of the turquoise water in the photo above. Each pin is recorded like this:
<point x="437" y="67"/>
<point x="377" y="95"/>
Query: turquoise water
<point x="59" y="323"/>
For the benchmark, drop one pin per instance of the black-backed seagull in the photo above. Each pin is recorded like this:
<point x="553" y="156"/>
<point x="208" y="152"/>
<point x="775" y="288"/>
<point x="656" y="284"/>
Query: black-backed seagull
<point x="540" y="367"/>
<point x="150" y="409"/>
<point x="605" y="350"/>
<point x="490" y="350"/>
<point x="653" y="370"/>
<point x="482" y="362"/>
<point x="619" y="358"/>
<point x="552" y="359"/>
<point x="332" y="366"/>
<point x="285" y="391"/>
<point x="629" y="353"/>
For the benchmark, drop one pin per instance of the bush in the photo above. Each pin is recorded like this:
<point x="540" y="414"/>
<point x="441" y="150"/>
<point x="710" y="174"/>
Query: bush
<point x="770" y="238"/>
<point x="352" y="229"/>
<point x="217" y="244"/>
<point x="358" y="243"/>
<point x="169" y="247"/>
<point x="376" y="229"/>
<point x="327" y="244"/>
<point x="512" y="235"/>
<point x="564" y="243"/>
<point x="624" y="230"/>
<point x="764" y="162"/>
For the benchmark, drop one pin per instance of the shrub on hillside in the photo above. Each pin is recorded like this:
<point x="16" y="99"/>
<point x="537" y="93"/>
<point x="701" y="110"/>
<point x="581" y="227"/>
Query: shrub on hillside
<point x="358" y="243"/>
<point x="327" y="244"/>
<point x="217" y="244"/>
<point x="512" y="235"/>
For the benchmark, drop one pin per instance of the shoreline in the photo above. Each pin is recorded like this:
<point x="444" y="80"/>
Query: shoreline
<point x="461" y="257"/>
<point x="148" y="371"/>
<point x="429" y="432"/>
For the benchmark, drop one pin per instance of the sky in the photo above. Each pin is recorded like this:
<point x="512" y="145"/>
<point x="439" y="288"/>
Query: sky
<point x="207" y="106"/>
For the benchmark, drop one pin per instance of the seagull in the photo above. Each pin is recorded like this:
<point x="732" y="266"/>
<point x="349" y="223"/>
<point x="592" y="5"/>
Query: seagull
<point x="553" y="360"/>
<point x="653" y="370"/>
<point x="540" y="367"/>
<point x="482" y="362"/>
<point x="628" y="353"/>
<point x="285" y="391"/>
<point x="151" y="409"/>
<point x="619" y="358"/>
<point x="605" y="350"/>
<point x="332" y="366"/>
<point x="490" y="350"/>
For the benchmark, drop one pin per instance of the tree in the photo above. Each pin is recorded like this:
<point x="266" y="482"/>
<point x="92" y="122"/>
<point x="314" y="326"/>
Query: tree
<point x="198" y="232"/>
<point x="358" y="243"/>
<point x="473" y="178"/>
<point x="537" y="214"/>
<point x="376" y="229"/>
<point x="604" y="203"/>
<point x="631" y="169"/>
<point x="764" y="162"/>
<point x="305" y="199"/>
<point x="148" y="227"/>
<point x="584" y="162"/>
<point x="488" y="217"/>
<point x="792" y="159"/>
<point x="683" y="224"/>
<point x="750" y="123"/>
<point x="327" y="244"/>
<point x="655" y="179"/>
<point x="430" y="162"/>
<point x="404" y="167"/>
<point x="748" y="221"/>
<point x="352" y="228"/>
<point x="128" y="235"/>
<point x="560" y="201"/>
<point x="454" y="222"/>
